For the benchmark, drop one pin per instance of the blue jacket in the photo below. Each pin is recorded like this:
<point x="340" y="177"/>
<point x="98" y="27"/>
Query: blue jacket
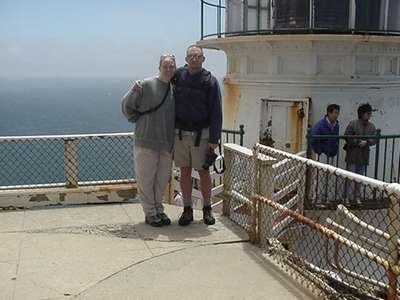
<point x="198" y="103"/>
<point x="327" y="147"/>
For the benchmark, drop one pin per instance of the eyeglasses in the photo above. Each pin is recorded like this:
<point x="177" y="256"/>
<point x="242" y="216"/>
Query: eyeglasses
<point x="194" y="56"/>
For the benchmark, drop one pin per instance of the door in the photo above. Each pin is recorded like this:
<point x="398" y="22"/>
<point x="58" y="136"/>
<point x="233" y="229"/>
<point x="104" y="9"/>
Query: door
<point x="284" y="124"/>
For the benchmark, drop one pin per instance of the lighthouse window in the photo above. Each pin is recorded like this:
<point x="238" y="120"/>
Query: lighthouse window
<point x="368" y="14"/>
<point x="234" y="15"/>
<point x="258" y="15"/>
<point x="394" y="15"/>
<point x="331" y="14"/>
<point x="292" y="13"/>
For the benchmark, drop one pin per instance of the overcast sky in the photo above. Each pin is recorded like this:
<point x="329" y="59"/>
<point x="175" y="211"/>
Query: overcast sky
<point x="97" y="38"/>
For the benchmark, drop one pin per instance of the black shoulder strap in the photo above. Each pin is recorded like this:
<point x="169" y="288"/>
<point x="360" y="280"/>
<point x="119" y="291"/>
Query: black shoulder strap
<point x="155" y="108"/>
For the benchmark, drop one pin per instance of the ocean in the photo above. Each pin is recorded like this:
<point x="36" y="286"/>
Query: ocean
<point x="63" y="106"/>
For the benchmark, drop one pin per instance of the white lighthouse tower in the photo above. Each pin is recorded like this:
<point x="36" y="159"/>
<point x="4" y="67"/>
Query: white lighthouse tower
<point x="289" y="59"/>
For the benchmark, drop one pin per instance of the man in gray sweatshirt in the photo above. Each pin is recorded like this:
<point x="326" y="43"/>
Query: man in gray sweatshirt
<point x="357" y="150"/>
<point x="153" y="110"/>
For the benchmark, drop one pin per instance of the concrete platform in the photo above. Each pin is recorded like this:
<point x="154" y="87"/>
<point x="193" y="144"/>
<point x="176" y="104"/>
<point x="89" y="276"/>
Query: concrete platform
<point x="107" y="252"/>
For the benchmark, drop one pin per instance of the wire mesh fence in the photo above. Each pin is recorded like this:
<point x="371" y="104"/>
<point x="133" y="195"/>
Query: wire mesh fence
<point x="74" y="160"/>
<point x="38" y="161"/>
<point x="348" y="252"/>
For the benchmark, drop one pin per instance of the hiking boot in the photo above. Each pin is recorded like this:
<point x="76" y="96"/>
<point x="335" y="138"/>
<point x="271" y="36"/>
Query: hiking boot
<point x="207" y="216"/>
<point x="186" y="217"/>
<point x="154" y="221"/>
<point x="164" y="218"/>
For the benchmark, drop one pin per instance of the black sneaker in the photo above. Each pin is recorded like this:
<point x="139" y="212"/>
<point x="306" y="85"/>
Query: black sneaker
<point x="154" y="221"/>
<point x="207" y="216"/>
<point x="164" y="218"/>
<point x="186" y="217"/>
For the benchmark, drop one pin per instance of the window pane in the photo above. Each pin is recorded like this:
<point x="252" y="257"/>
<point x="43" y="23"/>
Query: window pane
<point x="367" y="14"/>
<point x="332" y="14"/>
<point x="292" y="13"/>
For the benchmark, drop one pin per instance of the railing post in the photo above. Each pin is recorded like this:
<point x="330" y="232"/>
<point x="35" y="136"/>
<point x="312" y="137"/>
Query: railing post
<point x="202" y="19"/>
<point x="219" y="18"/>
<point x="226" y="205"/>
<point x="393" y="227"/>
<point x="265" y="212"/>
<point x="169" y="193"/>
<point x="241" y="134"/>
<point x="254" y="191"/>
<point x="258" y="16"/>
<point x="308" y="179"/>
<point x="70" y="161"/>
<point x="311" y="19"/>
<point x="378" y="141"/>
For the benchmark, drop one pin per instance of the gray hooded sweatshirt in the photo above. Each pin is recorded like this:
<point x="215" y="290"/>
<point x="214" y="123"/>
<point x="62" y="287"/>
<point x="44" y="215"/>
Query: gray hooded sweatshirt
<point x="155" y="130"/>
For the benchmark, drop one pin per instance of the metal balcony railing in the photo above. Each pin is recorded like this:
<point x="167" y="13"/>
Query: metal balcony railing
<point x="29" y="162"/>
<point x="226" y="18"/>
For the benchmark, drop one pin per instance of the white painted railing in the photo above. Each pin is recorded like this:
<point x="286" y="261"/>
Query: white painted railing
<point x="357" y="250"/>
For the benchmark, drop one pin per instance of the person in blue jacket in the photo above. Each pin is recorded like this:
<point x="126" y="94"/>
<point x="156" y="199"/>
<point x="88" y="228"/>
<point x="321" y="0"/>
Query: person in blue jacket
<point x="328" y="125"/>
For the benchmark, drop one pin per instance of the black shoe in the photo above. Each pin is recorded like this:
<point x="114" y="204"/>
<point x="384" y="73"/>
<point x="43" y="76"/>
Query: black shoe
<point x="154" y="221"/>
<point x="207" y="216"/>
<point x="186" y="217"/>
<point x="164" y="218"/>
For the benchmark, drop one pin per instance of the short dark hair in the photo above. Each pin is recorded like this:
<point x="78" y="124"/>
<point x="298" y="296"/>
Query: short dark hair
<point x="194" y="46"/>
<point x="364" y="108"/>
<point x="332" y="107"/>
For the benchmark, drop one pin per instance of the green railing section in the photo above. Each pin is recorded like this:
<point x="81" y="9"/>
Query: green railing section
<point x="326" y="192"/>
<point x="384" y="160"/>
<point x="233" y="136"/>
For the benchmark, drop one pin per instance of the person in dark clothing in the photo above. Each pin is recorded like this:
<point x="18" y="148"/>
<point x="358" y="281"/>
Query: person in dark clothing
<point x="357" y="150"/>
<point x="328" y="125"/>
<point x="198" y="123"/>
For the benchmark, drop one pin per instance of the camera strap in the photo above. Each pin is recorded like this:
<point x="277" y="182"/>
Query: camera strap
<point x="222" y="170"/>
<point x="155" y="108"/>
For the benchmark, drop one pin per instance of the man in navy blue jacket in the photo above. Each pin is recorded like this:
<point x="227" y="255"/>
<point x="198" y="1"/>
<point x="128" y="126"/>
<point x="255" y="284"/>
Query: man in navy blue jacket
<point x="328" y="125"/>
<point x="198" y="123"/>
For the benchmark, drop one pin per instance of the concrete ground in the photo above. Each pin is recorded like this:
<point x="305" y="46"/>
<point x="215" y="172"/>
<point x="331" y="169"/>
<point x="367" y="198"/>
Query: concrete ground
<point x="107" y="252"/>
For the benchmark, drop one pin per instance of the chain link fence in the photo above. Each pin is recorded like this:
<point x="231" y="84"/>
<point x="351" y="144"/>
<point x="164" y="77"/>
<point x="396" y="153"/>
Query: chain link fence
<point x="346" y="252"/>
<point x="29" y="162"/>
<point x="68" y="160"/>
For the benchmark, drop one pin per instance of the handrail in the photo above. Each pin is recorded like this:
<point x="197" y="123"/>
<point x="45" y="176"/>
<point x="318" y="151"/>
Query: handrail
<point x="333" y="137"/>
<point x="212" y="4"/>
<point x="91" y="135"/>
<point x="65" y="137"/>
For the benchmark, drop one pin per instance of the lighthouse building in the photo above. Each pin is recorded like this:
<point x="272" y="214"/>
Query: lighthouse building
<point x="288" y="59"/>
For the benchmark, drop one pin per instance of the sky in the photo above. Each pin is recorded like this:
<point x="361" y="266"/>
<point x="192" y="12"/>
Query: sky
<point x="97" y="38"/>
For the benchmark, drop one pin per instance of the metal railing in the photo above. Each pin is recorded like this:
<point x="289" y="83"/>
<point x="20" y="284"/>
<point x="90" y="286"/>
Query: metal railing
<point x="384" y="161"/>
<point x="342" y="254"/>
<point x="65" y="160"/>
<point x="28" y="162"/>
<point x="216" y="24"/>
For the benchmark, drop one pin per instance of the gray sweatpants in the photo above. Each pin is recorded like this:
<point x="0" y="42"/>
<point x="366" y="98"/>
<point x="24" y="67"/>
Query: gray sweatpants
<point x="152" y="172"/>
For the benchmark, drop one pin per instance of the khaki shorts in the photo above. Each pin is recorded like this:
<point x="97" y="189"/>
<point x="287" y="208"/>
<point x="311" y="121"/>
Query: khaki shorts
<point x="187" y="155"/>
